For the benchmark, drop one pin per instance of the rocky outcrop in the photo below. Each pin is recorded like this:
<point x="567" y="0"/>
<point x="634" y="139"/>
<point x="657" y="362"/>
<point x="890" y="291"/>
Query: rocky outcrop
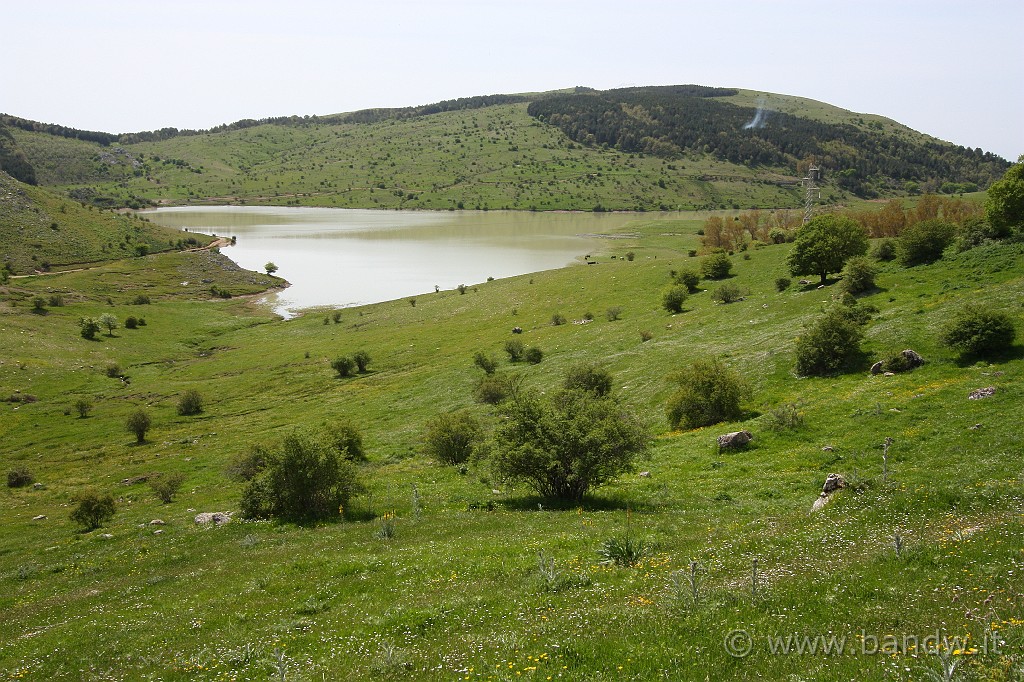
<point x="736" y="439"/>
<point x="216" y="518"/>
<point x="833" y="482"/>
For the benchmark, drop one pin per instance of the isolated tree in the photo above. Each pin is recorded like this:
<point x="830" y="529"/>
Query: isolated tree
<point x="138" y="422"/>
<point x="82" y="406"/>
<point x="823" y="245"/>
<point x="708" y="392"/>
<point x="270" y="268"/>
<point x="566" y="444"/>
<point x="1004" y="205"/>
<point x="93" y="510"/>
<point x="109" y="321"/>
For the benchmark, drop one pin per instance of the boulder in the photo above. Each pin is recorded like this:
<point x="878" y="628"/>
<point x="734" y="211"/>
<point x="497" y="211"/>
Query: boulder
<point x="736" y="439"/>
<point x="913" y="358"/>
<point x="979" y="393"/>
<point x="645" y="474"/>
<point x="156" y="522"/>
<point x="877" y="367"/>
<point x="833" y="482"/>
<point x="41" y="517"/>
<point x="216" y="518"/>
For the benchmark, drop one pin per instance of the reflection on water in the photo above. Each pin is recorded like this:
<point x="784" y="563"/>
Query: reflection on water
<point x="340" y="257"/>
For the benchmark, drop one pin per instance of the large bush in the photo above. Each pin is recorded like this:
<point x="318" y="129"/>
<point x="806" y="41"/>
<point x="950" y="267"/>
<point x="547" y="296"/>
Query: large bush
<point x="344" y="366"/>
<point x="138" y="422"/>
<point x="674" y="298"/>
<point x="716" y="266"/>
<point x="566" y="444"/>
<point x="304" y="479"/>
<point x="689" y="279"/>
<point x="451" y="437"/>
<point x="1004" y="205"/>
<point x="589" y="378"/>
<point x="979" y="331"/>
<point x="924" y="242"/>
<point x="708" y="393"/>
<point x="830" y="343"/>
<point x="858" y="275"/>
<point x="93" y="510"/>
<point x="19" y="477"/>
<point x="347" y="441"/>
<point x="824" y="244"/>
<point x="190" y="403"/>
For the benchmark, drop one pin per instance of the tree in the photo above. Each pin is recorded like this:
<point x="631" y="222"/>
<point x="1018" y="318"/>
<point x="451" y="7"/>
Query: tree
<point x="82" y="406"/>
<point x="451" y="437"/>
<point x="303" y="479"/>
<point x="270" y="268"/>
<point x="109" y="321"/>
<point x="1004" y="205"/>
<point x="362" y="360"/>
<point x="566" y="444"/>
<point x="138" y="422"/>
<point x="589" y="378"/>
<point x="708" y="393"/>
<point x="93" y="510"/>
<point x="90" y="327"/>
<point x="824" y="244"/>
<point x="830" y="343"/>
<point x="978" y="331"/>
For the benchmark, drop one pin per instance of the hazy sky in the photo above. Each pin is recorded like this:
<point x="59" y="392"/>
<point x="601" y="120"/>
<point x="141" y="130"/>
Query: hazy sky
<point x="951" y="69"/>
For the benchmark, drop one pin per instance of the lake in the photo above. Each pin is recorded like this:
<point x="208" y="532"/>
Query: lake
<point x="343" y="257"/>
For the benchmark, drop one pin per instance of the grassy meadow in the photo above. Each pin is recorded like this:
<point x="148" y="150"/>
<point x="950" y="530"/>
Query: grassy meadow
<point x="480" y="580"/>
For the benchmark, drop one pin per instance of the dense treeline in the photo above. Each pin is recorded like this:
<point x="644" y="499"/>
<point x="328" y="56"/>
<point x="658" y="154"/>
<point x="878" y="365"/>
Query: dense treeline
<point x="57" y="130"/>
<point x="460" y="104"/>
<point x="668" y="121"/>
<point x="13" y="161"/>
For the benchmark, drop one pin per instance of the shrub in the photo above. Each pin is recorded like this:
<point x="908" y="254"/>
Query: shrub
<point x="93" y="510"/>
<point x="830" y="343"/>
<point x="190" y="403"/>
<point x="613" y="313"/>
<point x="689" y="279"/>
<point x="488" y="363"/>
<point x="558" y="319"/>
<point x="461" y="288"/>
<point x="141" y="299"/>
<point x="344" y="366"/>
<point x="708" y="393"/>
<point x="89" y="328"/>
<point x="782" y="283"/>
<point x="979" y="331"/>
<point x="975" y="232"/>
<point x="56" y="301"/>
<point x="645" y="336"/>
<point x="566" y="444"/>
<point x="246" y="466"/>
<point x="623" y="550"/>
<point x="19" y="477"/>
<point x="362" y="360"/>
<point x="884" y="250"/>
<point x="113" y="370"/>
<point x="858" y="275"/>
<point x="82" y="406"/>
<point x="515" y="350"/>
<point x="39" y="305"/>
<point x="450" y="438"/>
<point x="138" y="422"/>
<point x="590" y="379"/>
<point x="303" y="480"/>
<point x="924" y="242"/>
<point x="166" y="486"/>
<point x="727" y="293"/>
<point x="336" y="316"/>
<point x="674" y="299"/>
<point x="533" y="355"/>
<point x="630" y="256"/>
<point x="785" y="417"/>
<point x="131" y="322"/>
<point x="345" y="438"/>
<point x="493" y="389"/>
<point x="716" y="266"/>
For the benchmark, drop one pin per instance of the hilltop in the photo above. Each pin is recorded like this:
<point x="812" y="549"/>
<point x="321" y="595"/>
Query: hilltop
<point x="648" y="149"/>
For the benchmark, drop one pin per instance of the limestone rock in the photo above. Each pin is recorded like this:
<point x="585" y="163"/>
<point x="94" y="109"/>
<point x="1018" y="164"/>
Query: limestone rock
<point x="877" y="367"/>
<point x="912" y="357"/>
<point x="645" y="474"/>
<point x="157" y="522"/>
<point x="979" y="393"/>
<point x="216" y="518"/>
<point x="833" y="482"/>
<point x="41" y="517"/>
<point x="736" y="439"/>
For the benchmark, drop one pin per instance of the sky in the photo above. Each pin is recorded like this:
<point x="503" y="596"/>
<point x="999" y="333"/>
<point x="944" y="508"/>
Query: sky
<point x="951" y="69"/>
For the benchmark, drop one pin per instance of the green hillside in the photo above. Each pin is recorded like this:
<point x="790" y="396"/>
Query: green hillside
<point x="526" y="152"/>
<point x="41" y="229"/>
<point x="477" y="578"/>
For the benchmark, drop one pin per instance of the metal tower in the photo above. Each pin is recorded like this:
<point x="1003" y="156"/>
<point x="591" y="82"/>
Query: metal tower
<point x="812" y="191"/>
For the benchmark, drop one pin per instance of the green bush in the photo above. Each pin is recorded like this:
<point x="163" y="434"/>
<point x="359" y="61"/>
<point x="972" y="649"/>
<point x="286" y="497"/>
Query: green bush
<point x="858" y="275"/>
<point x="589" y="379"/>
<point x="533" y="355"/>
<point x="884" y="250"/>
<point x="727" y="293"/>
<point x="93" y="510"/>
<point x="450" y="438"/>
<point x="975" y="232"/>
<point x="131" y="322"/>
<point x="709" y="392"/>
<point x="89" y="328"/>
<point x="82" y="406"/>
<point x="141" y="299"/>
<point x="19" y="477"/>
<point x="689" y="279"/>
<point x="782" y="283"/>
<point x="558" y="319"/>
<point x="344" y="366"/>
<point x="830" y="343"/>
<point x="674" y="299"/>
<point x="166" y="486"/>
<point x="488" y="363"/>
<point x="785" y="417"/>
<point x="246" y="466"/>
<point x="362" y="360"/>
<point x="613" y="313"/>
<point x="493" y="389"/>
<point x="924" y="242"/>
<point x="190" y="403"/>
<point x="303" y="480"/>
<point x="979" y="331"/>
<point x="347" y="441"/>
<point x="716" y="266"/>
<point x="515" y="350"/>
<point x="566" y="444"/>
<point x="138" y="422"/>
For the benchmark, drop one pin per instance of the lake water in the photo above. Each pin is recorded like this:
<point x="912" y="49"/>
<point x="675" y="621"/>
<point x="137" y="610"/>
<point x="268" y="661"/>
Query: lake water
<point x="343" y="257"/>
